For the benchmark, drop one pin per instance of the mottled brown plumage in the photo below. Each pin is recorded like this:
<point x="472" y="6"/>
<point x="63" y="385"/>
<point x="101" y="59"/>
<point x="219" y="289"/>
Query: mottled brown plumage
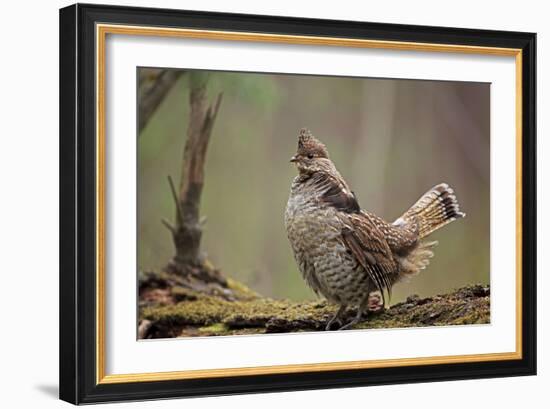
<point x="345" y="253"/>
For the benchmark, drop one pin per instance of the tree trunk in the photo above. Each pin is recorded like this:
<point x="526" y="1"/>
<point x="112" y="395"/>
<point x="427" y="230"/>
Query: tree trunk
<point x="187" y="230"/>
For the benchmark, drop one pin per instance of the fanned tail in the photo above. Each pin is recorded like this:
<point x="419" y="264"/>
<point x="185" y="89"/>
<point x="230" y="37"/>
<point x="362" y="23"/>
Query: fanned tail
<point x="436" y="208"/>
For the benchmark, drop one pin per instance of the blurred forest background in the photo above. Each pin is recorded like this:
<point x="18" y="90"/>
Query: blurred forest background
<point x="391" y="140"/>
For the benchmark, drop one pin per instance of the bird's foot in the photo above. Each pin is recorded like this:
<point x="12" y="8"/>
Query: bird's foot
<point x="336" y="319"/>
<point x="350" y="324"/>
<point x="333" y="321"/>
<point x="354" y="321"/>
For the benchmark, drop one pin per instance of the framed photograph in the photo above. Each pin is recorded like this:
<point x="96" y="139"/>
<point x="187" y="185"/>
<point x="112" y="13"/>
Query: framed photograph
<point x="257" y="203"/>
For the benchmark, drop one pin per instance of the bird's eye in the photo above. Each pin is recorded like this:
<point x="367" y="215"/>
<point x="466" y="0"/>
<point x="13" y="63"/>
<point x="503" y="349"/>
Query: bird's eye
<point x="310" y="156"/>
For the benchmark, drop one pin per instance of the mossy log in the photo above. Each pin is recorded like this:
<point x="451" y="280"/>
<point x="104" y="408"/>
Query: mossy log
<point x="168" y="310"/>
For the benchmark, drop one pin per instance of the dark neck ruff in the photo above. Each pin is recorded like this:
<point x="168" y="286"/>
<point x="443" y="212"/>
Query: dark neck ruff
<point x="331" y="191"/>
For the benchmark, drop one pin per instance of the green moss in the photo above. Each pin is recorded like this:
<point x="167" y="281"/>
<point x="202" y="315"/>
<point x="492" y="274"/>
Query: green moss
<point x="206" y="310"/>
<point x="242" y="291"/>
<point x="184" y="294"/>
<point x="199" y="314"/>
<point x="216" y="329"/>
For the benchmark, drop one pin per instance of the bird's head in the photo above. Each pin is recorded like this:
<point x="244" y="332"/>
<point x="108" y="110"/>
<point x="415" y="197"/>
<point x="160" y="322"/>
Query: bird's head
<point x="312" y="155"/>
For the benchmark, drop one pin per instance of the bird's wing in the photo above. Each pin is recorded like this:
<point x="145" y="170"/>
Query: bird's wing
<point x="361" y="236"/>
<point x="368" y="245"/>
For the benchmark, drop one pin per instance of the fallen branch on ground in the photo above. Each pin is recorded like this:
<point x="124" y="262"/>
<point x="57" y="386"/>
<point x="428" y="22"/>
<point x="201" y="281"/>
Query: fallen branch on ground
<point x="178" y="311"/>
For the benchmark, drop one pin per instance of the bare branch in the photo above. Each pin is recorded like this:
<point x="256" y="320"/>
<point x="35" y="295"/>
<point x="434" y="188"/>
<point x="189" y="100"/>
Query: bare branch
<point x="169" y="226"/>
<point x="154" y="84"/>
<point x="213" y="112"/>
<point x="179" y="212"/>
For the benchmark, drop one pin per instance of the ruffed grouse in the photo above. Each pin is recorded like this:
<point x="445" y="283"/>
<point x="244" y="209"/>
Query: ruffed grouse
<point x="345" y="253"/>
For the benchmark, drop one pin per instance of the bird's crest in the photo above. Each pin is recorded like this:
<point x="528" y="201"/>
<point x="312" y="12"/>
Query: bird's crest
<point x="308" y="144"/>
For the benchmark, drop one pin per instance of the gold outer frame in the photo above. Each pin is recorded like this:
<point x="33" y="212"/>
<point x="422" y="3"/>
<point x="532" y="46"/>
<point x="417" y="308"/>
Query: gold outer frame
<point x="102" y="30"/>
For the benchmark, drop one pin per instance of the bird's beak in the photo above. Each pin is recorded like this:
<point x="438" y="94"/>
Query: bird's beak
<point x="294" y="159"/>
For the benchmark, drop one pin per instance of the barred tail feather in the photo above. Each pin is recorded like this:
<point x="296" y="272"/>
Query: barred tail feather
<point x="434" y="210"/>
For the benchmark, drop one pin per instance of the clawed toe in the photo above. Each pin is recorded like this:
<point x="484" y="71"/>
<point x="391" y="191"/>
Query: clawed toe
<point x="356" y="320"/>
<point x="337" y="318"/>
<point x="349" y="325"/>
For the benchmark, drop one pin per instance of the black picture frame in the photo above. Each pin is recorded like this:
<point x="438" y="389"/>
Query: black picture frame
<point x="78" y="360"/>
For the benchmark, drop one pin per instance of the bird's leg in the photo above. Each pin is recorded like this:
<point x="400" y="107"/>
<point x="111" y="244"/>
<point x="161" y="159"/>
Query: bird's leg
<point x="336" y="317"/>
<point x="353" y="321"/>
<point x="362" y="307"/>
